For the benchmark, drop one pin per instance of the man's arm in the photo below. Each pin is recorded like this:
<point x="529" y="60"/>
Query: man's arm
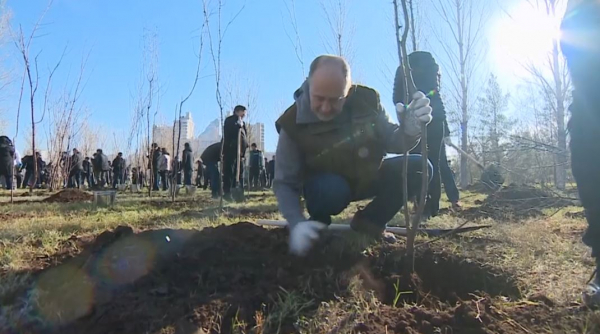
<point x="395" y="141"/>
<point x="288" y="180"/>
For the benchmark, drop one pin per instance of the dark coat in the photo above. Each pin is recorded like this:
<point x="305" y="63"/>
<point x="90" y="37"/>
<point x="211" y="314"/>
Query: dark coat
<point x="87" y="166"/>
<point x="7" y="156"/>
<point x="188" y="160"/>
<point x="77" y="162"/>
<point x="211" y="154"/>
<point x="271" y="167"/>
<point x="256" y="159"/>
<point x="156" y="154"/>
<point x="101" y="163"/>
<point x="230" y="138"/>
<point x="118" y="164"/>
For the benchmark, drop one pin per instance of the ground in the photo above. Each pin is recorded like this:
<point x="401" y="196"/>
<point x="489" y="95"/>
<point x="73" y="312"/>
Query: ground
<point x="154" y="266"/>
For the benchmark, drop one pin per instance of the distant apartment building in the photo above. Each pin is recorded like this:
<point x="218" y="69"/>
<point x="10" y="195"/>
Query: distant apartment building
<point x="256" y="134"/>
<point x="163" y="134"/>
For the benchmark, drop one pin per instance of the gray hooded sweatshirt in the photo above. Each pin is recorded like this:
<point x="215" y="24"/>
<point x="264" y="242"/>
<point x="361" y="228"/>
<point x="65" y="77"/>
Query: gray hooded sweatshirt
<point x="290" y="165"/>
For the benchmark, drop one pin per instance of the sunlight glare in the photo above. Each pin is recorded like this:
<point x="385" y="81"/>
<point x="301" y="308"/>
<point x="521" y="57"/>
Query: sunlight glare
<point x="522" y="37"/>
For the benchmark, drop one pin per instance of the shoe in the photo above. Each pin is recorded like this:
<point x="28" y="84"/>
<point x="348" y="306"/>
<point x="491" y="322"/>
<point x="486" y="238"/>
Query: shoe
<point x="456" y="206"/>
<point x="228" y="197"/>
<point x="363" y="225"/>
<point x="591" y="295"/>
<point x="215" y="196"/>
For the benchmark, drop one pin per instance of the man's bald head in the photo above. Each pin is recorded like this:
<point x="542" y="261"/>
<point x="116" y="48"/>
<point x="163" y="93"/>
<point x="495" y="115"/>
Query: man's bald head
<point x="329" y="82"/>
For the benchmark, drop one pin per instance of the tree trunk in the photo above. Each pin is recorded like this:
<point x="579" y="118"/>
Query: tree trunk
<point x="561" y="157"/>
<point x="464" y="124"/>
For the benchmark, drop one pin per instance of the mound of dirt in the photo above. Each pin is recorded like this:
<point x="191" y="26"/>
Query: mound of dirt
<point x="235" y="278"/>
<point x="69" y="196"/>
<point x="515" y="202"/>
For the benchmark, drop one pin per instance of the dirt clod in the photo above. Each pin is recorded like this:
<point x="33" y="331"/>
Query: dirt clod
<point x="69" y="196"/>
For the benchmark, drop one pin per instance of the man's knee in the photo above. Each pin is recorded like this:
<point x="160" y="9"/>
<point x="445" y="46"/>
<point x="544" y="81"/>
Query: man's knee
<point x="327" y="194"/>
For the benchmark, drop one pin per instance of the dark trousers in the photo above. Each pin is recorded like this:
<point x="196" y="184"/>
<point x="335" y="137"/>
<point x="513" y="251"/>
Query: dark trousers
<point x="27" y="178"/>
<point x="8" y="178"/>
<point x="178" y="178"/>
<point x="212" y="172"/>
<point x="164" y="179"/>
<point x="329" y="194"/>
<point x="187" y="177"/>
<point x="229" y="173"/>
<point x="156" y="176"/>
<point x="435" y="137"/>
<point x="585" y="163"/>
<point x="254" y="178"/>
<point x="448" y="177"/>
<point x="118" y="178"/>
<point x="270" y="180"/>
<point x="207" y="177"/>
<point x="75" y="179"/>
<point x="19" y="178"/>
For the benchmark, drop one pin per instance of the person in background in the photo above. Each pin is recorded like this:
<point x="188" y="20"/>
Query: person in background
<point x="233" y="127"/>
<point x="87" y="172"/>
<point x="200" y="174"/>
<point x="448" y="180"/>
<point x="256" y="165"/>
<point x="210" y="158"/>
<point x="176" y="168"/>
<point x="264" y="177"/>
<point x="118" y="165"/>
<point x="18" y="169"/>
<point x="164" y="168"/>
<point x="76" y="169"/>
<point x="188" y="164"/>
<point x="271" y="171"/>
<point x="153" y="165"/>
<point x="7" y="160"/>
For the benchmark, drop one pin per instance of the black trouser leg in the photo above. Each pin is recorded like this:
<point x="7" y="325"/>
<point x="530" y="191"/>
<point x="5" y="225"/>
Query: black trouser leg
<point x="229" y="162"/>
<point x="388" y="189"/>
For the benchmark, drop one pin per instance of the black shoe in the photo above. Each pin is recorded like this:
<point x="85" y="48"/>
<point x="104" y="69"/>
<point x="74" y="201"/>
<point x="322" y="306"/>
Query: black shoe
<point x="591" y="295"/>
<point x="228" y="197"/>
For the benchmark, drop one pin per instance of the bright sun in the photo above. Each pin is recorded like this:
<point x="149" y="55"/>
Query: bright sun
<point x="521" y="37"/>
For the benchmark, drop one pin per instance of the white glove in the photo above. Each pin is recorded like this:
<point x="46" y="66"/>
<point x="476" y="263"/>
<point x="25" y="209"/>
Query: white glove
<point x="419" y="112"/>
<point x="240" y="122"/>
<point x="447" y="141"/>
<point x="303" y="235"/>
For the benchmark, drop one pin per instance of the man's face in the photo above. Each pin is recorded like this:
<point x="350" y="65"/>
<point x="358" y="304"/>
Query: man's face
<point x="241" y="113"/>
<point x="253" y="148"/>
<point x="327" y="92"/>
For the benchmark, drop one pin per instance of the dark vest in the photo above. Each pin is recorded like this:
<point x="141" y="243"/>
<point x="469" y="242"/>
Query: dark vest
<point x="350" y="145"/>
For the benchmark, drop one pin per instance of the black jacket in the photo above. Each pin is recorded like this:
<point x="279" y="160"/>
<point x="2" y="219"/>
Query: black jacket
<point x="101" y="163"/>
<point x="211" y="154"/>
<point x="256" y="159"/>
<point x="271" y="167"/>
<point x="87" y="166"/>
<point x="188" y="160"/>
<point x="230" y="138"/>
<point x="118" y="164"/>
<point x="7" y="156"/>
<point x="156" y="154"/>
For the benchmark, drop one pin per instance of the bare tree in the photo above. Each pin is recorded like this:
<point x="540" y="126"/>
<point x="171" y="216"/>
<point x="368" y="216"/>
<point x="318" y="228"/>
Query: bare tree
<point x="5" y="16"/>
<point x="409" y="89"/>
<point x="294" y="36"/>
<point x="33" y="79"/>
<point x="463" y="26"/>
<point x="553" y="81"/>
<point x="216" y="44"/>
<point x="342" y="31"/>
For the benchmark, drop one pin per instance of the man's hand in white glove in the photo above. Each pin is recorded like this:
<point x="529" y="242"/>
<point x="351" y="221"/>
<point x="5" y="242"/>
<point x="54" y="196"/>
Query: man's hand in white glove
<point x="303" y="235"/>
<point x="418" y="112"/>
<point x="447" y="141"/>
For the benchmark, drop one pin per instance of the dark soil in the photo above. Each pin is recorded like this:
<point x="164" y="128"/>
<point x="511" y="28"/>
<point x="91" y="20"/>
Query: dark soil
<point x="187" y="281"/>
<point x="69" y="196"/>
<point x="515" y="202"/>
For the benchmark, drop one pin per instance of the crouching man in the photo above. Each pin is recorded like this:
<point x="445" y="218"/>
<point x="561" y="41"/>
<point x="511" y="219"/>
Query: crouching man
<point x="331" y="146"/>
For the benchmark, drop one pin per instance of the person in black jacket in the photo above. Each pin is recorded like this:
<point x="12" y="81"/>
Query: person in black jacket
<point x="580" y="36"/>
<point x="188" y="164"/>
<point x="76" y="169"/>
<point x="87" y="172"/>
<point x="153" y="165"/>
<point x="210" y="158"/>
<point x="7" y="160"/>
<point x="28" y="163"/>
<point x="234" y="124"/>
<point x="200" y="175"/>
<point x="256" y="165"/>
<point x="426" y="75"/>
<point x="101" y="168"/>
<point x="118" y="166"/>
<point x="271" y="171"/>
